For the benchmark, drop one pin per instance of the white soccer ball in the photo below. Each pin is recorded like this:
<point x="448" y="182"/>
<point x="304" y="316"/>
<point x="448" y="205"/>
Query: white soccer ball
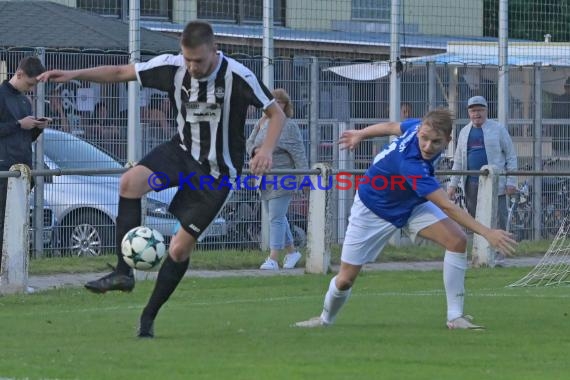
<point x="143" y="248"/>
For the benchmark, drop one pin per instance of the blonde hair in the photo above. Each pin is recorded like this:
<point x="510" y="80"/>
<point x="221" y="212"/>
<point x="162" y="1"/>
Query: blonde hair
<point x="440" y="119"/>
<point x="281" y="95"/>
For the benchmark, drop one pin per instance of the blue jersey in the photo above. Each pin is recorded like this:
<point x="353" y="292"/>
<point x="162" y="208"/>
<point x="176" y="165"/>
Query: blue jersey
<point x="399" y="178"/>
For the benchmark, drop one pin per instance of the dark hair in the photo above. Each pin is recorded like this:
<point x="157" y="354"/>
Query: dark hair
<point x="31" y="66"/>
<point x="197" y="33"/>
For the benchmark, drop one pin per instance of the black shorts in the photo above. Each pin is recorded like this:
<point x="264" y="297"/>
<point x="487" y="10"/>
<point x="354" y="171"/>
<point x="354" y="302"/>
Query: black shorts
<point x="199" y="198"/>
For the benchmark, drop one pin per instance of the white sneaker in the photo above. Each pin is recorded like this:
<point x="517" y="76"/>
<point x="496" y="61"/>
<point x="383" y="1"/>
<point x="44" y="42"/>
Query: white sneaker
<point x="463" y="322"/>
<point x="291" y="259"/>
<point x="269" y="264"/>
<point x="311" y="323"/>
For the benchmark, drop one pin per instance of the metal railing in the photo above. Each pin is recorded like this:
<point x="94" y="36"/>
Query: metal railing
<point x="553" y="195"/>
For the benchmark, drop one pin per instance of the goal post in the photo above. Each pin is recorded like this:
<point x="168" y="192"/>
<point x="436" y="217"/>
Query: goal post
<point x="14" y="271"/>
<point x="554" y="267"/>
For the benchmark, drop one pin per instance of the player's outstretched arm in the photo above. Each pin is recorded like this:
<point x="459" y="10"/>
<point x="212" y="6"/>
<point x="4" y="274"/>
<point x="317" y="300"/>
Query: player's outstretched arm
<point x="350" y="139"/>
<point x="499" y="239"/>
<point x="100" y="74"/>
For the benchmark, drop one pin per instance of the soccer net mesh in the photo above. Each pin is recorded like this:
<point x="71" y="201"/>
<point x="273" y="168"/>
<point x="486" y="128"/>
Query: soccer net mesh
<point x="554" y="267"/>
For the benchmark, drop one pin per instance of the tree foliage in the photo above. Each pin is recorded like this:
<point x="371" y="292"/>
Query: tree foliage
<point x="530" y="20"/>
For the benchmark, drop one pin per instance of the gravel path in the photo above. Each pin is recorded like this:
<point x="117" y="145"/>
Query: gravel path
<point x="39" y="283"/>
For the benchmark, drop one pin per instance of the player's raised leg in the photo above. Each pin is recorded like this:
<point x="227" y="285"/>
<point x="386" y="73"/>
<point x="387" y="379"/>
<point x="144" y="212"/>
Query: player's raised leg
<point x="133" y="185"/>
<point x="195" y="207"/>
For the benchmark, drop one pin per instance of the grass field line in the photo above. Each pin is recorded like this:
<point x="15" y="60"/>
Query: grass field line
<point x="319" y="297"/>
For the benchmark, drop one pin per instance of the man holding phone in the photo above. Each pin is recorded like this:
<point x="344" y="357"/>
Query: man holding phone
<point x="18" y="128"/>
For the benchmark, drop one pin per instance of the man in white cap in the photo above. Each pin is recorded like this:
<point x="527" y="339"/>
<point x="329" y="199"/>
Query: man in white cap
<point x="483" y="142"/>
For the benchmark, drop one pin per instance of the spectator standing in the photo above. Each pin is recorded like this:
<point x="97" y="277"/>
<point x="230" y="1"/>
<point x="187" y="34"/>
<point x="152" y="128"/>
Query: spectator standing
<point x="288" y="154"/>
<point x="483" y="142"/>
<point x="18" y="127"/>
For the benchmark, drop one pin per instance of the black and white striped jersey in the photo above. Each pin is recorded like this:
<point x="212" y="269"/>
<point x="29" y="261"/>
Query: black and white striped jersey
<point x="211" y="111"/>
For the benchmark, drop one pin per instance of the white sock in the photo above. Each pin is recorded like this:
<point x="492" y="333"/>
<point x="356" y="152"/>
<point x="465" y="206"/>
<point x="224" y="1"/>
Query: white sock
<point x="334" y="299"/>
<point x="454" y="266"/>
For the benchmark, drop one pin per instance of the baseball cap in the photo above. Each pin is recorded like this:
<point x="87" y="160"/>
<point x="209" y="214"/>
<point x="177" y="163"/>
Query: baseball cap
<point x="477" y="101"/>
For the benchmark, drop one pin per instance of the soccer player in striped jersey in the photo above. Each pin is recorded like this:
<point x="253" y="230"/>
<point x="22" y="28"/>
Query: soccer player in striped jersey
<point x="211" y="94"/>
<point x="420" y="207"/>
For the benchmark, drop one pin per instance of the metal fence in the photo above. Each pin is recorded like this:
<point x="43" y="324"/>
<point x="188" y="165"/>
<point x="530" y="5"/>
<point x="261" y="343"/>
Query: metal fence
<point x="90" y="124"/>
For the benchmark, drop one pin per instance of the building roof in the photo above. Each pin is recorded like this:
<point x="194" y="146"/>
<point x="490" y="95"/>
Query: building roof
<point x="481" y="61"/>
<point x="55" y="26"/>
<point x="412" y="44"/>
<point x="477" y="54"/>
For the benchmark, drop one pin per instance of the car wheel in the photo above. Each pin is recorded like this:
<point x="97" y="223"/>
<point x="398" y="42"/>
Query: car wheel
<point x="87" y="233"/>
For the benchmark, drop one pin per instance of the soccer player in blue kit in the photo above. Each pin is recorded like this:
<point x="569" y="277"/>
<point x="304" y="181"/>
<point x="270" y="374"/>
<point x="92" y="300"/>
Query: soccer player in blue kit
<point x="421" y="207"/>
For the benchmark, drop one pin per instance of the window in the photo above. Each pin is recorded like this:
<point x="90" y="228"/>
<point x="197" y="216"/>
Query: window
<point x="374" y="10"/>
<point x="239" y="11"/>
<point x="156" y="9"/>
<point x="217" y="10"/>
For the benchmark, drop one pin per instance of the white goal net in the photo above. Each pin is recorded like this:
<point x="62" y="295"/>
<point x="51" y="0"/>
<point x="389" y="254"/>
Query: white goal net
<point x="554" y="268"/>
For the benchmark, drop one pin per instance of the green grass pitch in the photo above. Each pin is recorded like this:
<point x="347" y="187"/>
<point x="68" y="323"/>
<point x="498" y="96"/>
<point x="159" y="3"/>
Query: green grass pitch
<point x="240" y="328"/>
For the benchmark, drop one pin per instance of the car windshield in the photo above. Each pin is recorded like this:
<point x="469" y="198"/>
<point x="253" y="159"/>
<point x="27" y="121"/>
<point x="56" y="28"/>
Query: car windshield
<point x="70" y="152"/>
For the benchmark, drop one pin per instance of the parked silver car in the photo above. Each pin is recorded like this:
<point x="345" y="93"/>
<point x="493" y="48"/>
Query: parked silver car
<point x="86" y="206"/>
<point x="49" y="229"/>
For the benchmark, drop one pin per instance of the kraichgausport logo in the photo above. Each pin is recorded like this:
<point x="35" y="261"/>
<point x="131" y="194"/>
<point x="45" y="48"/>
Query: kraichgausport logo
<point x="341" y="181"/>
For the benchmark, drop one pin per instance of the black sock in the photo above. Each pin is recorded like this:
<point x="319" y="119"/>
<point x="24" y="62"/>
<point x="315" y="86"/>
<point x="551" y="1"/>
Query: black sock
<point x="169" y="277"/>
<point x="128" y="217"/>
